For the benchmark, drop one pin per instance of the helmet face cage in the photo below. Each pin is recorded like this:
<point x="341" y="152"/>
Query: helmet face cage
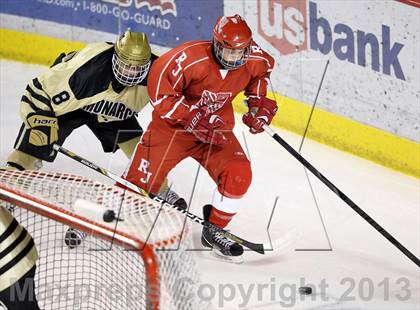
<point x="126" y="74"/>
<point x="230" y="58"/>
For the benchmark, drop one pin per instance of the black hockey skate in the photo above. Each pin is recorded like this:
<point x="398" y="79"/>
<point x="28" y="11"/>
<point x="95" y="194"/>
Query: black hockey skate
<point x="74" y="237"/>
<point x="223" y="248"/>
<point x="173" y="198"/>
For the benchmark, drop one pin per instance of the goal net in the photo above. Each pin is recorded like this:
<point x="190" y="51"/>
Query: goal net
<point x="138" y="262"/>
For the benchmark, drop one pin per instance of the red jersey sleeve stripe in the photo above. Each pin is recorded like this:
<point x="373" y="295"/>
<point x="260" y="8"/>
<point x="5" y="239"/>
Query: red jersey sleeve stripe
<point x="176" y="105"/>
<point x="193" y="63"/>
<point x="263" y="58"/>
<point x="155" y="103"/>
<point x="258" y="88"/>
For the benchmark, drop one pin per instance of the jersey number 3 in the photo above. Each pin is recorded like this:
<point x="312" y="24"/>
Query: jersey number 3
<point x="178" y="61"/>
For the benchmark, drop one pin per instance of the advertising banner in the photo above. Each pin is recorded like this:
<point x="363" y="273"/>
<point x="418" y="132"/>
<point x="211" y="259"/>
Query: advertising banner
<point x="372" y="46"/>
<point x="373" y="50"/>
<point x="166" y="22"/>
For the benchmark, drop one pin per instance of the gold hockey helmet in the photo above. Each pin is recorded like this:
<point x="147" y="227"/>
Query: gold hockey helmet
<point x="131" y="60"/>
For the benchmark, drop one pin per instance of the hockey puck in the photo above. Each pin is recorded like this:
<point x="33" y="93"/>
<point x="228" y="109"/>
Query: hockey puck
<point x="305" y="290"/>
<point x="72" y="238"/>
<point x="109" y="216"/>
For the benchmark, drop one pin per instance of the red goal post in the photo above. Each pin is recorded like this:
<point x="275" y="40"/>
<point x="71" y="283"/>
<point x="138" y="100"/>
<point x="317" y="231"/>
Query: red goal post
<point x="141" y="262"/>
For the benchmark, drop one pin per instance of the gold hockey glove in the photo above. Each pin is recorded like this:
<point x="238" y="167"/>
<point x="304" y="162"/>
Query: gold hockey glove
<point x="43" y="128"/>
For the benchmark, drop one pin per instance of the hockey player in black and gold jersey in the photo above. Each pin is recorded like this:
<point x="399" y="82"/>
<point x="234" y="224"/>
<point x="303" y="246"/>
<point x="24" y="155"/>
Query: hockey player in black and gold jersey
<point x="18" y="257"/>
<point x="102" y="86"/>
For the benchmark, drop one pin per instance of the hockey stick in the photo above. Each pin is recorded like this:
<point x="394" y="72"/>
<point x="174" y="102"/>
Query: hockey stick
<point x="257" y="247"/>
<point x="343" y="197"/>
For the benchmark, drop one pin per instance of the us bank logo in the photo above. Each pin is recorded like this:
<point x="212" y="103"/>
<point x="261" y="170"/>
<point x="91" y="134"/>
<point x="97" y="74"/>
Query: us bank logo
<point x="296" y="25"/>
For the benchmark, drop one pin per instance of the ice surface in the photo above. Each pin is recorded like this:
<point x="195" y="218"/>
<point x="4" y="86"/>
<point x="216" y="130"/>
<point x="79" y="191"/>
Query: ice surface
<point x="383" y="277"/>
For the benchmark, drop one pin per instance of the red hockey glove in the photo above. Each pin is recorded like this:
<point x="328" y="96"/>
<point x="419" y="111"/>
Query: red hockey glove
<point x="261" y="112"/>
<point x="204" y="126"/>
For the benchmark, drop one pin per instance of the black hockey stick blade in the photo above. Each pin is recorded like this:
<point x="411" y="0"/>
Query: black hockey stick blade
<point x="257" y="247"/>
<point x="343" y="197"/>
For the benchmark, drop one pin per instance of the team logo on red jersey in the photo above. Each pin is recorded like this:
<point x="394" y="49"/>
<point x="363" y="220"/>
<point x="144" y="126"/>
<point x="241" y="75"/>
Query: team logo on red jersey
<point x="213" y="101"/>
<point x="285" y="27"/>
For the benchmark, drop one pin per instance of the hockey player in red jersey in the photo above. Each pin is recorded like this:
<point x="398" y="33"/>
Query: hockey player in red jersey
<point x="191" y="88"/>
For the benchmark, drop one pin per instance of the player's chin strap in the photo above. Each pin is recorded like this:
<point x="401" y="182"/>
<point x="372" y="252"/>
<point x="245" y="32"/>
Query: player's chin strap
<point x="257" y="247"/>
<point x="343" y="197"/>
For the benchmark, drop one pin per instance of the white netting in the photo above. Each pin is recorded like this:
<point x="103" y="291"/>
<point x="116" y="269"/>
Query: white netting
<point x="100" y="274"/>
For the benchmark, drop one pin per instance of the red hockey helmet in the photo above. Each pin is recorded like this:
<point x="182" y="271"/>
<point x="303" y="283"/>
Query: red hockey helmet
<point x="231" y="41"/>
